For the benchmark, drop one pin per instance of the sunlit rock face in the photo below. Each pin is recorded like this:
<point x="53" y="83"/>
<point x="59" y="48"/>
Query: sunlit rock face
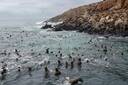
<point x="105" y="17"/>
<point x="113" y="4"/>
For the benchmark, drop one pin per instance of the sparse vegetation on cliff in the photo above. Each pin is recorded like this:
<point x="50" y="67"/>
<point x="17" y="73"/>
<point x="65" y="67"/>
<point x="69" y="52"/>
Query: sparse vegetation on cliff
<point x="105" y="17"/>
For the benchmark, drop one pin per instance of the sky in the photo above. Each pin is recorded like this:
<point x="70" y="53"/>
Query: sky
<point x="28" y="12"/>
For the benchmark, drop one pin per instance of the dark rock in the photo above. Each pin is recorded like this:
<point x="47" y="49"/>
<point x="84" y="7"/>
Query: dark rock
<point x="47" y="26"/>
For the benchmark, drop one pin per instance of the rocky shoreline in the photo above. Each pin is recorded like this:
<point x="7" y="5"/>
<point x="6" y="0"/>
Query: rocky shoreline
<point x="108" y="17"/>
<point x="89" y="28"/>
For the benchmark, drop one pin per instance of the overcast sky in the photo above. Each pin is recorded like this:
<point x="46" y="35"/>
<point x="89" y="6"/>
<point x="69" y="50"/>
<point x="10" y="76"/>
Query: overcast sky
<point x="21" y="12"/>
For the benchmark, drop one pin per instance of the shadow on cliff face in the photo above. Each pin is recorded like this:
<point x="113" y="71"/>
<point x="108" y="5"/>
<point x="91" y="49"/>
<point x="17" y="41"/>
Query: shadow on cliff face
<point x="119" y="30"/>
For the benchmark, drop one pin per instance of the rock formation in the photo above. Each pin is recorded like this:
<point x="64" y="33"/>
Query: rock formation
<point x="105" y="17"/>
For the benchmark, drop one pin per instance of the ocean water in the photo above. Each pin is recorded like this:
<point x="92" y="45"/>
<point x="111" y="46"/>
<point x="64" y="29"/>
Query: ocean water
<point x="103" y="69"/>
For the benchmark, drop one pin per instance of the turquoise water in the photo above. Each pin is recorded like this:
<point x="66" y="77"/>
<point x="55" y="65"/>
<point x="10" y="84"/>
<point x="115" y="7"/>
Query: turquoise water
<point x="103" y="69"/>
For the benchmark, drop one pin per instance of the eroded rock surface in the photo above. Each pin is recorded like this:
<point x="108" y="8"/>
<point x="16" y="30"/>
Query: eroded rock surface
<point x="105" y="17"/>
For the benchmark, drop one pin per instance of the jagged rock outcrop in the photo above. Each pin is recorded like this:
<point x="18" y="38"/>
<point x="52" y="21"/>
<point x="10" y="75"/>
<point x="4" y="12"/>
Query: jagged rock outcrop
<point x="105" y="17"/>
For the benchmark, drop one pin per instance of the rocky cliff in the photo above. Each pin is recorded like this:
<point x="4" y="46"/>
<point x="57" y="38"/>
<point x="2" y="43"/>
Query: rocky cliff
<point x="105" y="17"/>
